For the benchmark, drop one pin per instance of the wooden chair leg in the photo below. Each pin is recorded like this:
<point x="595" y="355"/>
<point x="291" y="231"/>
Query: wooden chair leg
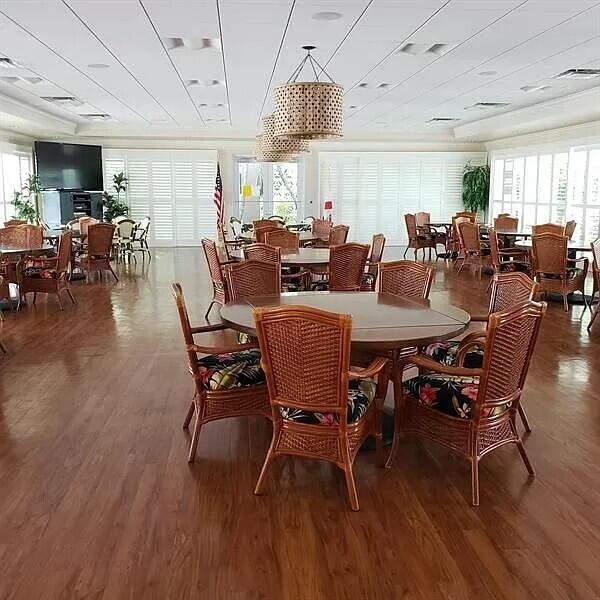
<point x="2" y="348"/>
<point x="565" y="302"/>
<point x="209" y="309"/>
<point x="524" y="418"/>
<point x="398" y="404"/>
<point x="195" y="436"/>
<point x="34" y="297"/>
<point x="350" y="484"/>
<point x="475" y="480"/>
<point x="258" y="489"/>
<point x="113" y="273"/>
<point x="189" y="415"/>
<point x="525" y="458"/>
<point x="60" y="304"/>
<point x="594" y="315"/>
<point x="405" y="251"/>
<point x="71" y="295"/>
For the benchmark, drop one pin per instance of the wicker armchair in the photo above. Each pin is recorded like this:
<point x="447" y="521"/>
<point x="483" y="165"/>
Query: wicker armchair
<point x="506" y="223"/>
<point x="556" y="273"/>
<point x="282" y="238"/>
<point x="264" y="252"/>
<point x="472" y="411"/>
<point x="338" y="235"/>
<point x="4" y="295"/>
<point x="292" y="281"/>
<point x="548" y="228"/>
<point x="98" y="251"/>
<point x="321" y="408"/>
<point x="220" y="291"/>
<point x="370" y="276"/>
<point x="252" y="278"/>
<point x="418" y="239"/>
<point x="14" y="222"/>
<point x="228" y="383"/>
<point x="261" y="232"/>
<point x="423" y="221"/>
<point x="405" y="278"/>
<point x="13" y="237"/>
<point x="473" y="252"/>
<point x="321" y="228"/>
<point x="48" y="275"/>
<point x="346" y="268"/>
<point x="265" y="223"/>
<point x="507" y="260"/>
<point x="596" y="274"/>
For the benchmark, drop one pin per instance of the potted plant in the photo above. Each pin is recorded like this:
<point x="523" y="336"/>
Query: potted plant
<point x="115" y="207"/>
<point x="31" y="192"/>
<point x="476" y="187"/>
<point x="24" y="207"/>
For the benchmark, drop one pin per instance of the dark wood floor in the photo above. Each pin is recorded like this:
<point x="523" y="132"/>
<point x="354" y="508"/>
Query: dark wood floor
<point x="97" y="499"/>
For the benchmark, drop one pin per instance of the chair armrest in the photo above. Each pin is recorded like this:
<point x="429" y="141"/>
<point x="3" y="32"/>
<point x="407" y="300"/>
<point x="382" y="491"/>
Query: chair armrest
<point x="480" y="318"/>
<point x="208" y="328"/>
<point x="431" y="365"/>
<point x="576" y="260"/>
<point x="477" y="339"/>
<point x="223" y="349"/>
<point x="40" y="259"/>
<point x="373" y="369"/>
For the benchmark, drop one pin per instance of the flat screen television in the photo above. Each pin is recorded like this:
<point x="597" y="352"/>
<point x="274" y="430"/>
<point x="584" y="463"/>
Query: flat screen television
<point x="69" y="166"/>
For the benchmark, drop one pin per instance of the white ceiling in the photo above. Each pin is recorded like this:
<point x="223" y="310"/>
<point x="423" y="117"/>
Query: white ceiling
<point x="517" y="42"/>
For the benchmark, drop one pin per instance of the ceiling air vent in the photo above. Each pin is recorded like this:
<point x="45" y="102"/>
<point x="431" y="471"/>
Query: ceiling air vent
<point x="487" y="105"/>
<point x="65" y="100"/>
<point x="438" y="49"/>
<point x="579" y="74"/>
<point x="8" y="63"/>
<point x="442" y="120"/>
<point x="95" y="116"/>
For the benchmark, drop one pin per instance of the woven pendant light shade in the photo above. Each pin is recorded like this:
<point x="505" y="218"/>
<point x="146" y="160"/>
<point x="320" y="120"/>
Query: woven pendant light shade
<point x="309" y="110"/>
<point x="272" y="149"/>
<point x="265" y="155"/>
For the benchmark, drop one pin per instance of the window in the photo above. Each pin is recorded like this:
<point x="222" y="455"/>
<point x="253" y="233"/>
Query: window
<point x="175" y="188"/>
<point x="372" y="191"/>
<point x="15" y="166"/>
<point x="267" y="189"/>
<point x="552" y="187"/>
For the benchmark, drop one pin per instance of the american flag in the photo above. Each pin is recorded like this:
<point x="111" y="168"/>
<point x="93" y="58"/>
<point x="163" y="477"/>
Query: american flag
<point x="218" y="198"/>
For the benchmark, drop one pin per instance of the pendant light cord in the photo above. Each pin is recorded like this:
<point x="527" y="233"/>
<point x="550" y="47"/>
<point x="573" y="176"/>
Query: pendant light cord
<point x="314" y="65"/>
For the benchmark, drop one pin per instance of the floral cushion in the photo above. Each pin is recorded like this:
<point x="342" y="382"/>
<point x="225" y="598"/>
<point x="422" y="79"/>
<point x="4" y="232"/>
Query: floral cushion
<point x="220" y="372"/>
<point x="451" y="395"/>
<point x="39" y="273"/>
<point x="445" y="353"/>
<point x="320" y="286"/>
<point x="512" y="266"/>
<point x="360" y="394"/>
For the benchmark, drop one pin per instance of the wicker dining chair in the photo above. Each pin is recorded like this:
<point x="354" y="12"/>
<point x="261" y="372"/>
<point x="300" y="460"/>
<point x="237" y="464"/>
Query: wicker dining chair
<point x="548" y="228"/>
<point x="472" y="216"/>
<point x="556" y="273"/>
<point x="264" y="252"/>
<point x="321" y="228"/>
<point x="508" y="290"/>
<point x="338" y="235"/>
<point x="423" y="222"/>
<point x="14" y="237"/>
<point x="405" y="278"/>
<point x="321" y="408"/>
<point x="417" y="239"/>
<point x="4" y="295"/>
<point x="346" y="268"/>
<point x="228" y="382"/>
<point x="596" y="273"/>
<point x="14" y="222"/>
<point x="375" y="258"/>
<point x="252" y="278"/>
<point x="506" y="223"/>
<point x="265" y="223"/>
<point x="282" y="238"/>
<point x="570" y="227"/>
<point x="261" y="232"/>
<point x="98" y="250"/>
<point x="215" y="270"/>
<point x="474" y="253"/>
<point x="505" y="260"/>
<point x="48" y="275"/>
<point x="473" y="411"/>
<point x="291" y="281"/>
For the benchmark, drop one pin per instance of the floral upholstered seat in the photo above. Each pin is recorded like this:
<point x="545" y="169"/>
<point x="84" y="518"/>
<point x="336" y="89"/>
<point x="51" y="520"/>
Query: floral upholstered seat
<point x="40" y="273"/>
<point x="451" y="395"/>
<point x="360" y="395"/>
<point x="445" y="353"/>
<point x="234" y="369"/>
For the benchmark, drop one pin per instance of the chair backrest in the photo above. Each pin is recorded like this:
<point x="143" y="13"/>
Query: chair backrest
<point x="338" y="235"/>
<point x="282" y="238"/>
<point x="261" y="231"/>
<point x="510" y="341"/>
<point x="14" y="237"/>
<point x="267" y="223"/>
<point x="214" y="264"/>
<point x="510" y="290"/>
<point x="494" y="248"/>
<point x="118" y="219"/>
<point x="472" y="216"/>
<point x="347" y="266"/>
<point x="305" y="354"/>
<point x="236" y="226"/>
<point x="550" y="253"/>
<point x="405" y="278"/>
<point x="468" y="233"/>
<point x="548" y="228"/>
<point x="73" y="225"/>
<point x="64" y="251"/>
<point x="186" y="328"/>
<point x="596" y="253"/>
<point x="570" y="229"/>
<point x="14" y="222"/>
<point x="277" y="218"/>
<point x="84" y="224"/>
<point x="422" y="219"/>
<point x="321" y="228"/>
<point x="144" y="226"/>
<point x="35" y="235"/>
<point x="377" y="247"/>
<point x="252" y="278"/>
<point x="456" y="221"/>
<point x="411" y="226"/>
<point x="100" y="239"/>
<point x="506" y="223"/>
<point x="264" y="252"/>
<point x="125" y="228"/>
<point x="504" y="215"/>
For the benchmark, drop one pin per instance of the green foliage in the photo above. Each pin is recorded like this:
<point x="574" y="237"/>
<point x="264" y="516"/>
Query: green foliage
<point x="476" y="187"/>
<point x="120" y="183"/>
<point x="113" y="207"/>
<point x="24" y="207"/>
<point x="32" y="186"/>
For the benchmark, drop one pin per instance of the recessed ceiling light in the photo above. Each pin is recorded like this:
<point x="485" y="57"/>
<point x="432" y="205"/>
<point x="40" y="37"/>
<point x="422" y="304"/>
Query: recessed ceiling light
<point x="383" y="86"/>
<point x="354" y="107"/>
<point x="98" y="66"/>
<point x="487" y="105"/>
<point x="437" y="48"/>
<point x="327" y="15"/>
<point x="488" y="73"/>
<point x="66" y="100"/>
<point x="579" y="74"/>
<point x="363" y="85"/>
<point x="535" y="88"/>
<point x="192" y="43"/>
<point x="205" y="83"/>
<point x="8" y="63"/>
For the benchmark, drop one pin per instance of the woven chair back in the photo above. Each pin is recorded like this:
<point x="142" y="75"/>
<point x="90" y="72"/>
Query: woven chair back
<point x="338" y="235"/>
<point x="570" y="229"/>
<point x="186" y="328"/>
<point x="506" y="223"/>
<point x="321" y="227"/>
<point x="213" y="262"/>
<point x="264" y="252"/>
<point x="14" y="237"/>
<point x="261" y="232"/>
<point x="510" y="290"/>
<point x="548" y="228"/>
<point x="306" y="356"/>
<point x="252" y="278"/>
<point x="469" y="236"/>
<point x="64" y="251"/>
<point x="405" y="278"/>
<point x="100" y="239"/>
<point x="282" y="238"/>
<point x="347" y="266"/>
<point x="377" y="248"/>
<point x="411" y="226"/>
<point x="550" y="253"/>
<point x="422" y="219"/>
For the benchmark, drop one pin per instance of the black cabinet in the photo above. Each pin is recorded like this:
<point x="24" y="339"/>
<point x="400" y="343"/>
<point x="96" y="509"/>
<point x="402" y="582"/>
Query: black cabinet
<point x="60" y="206"/>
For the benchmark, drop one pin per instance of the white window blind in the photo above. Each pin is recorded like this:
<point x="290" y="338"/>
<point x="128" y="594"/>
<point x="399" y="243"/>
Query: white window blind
<point x="175" y="188"/>
<point x="371" y="191"/>
<point x="15" y="166"/>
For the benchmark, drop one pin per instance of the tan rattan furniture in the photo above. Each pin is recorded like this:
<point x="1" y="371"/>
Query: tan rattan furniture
<point x="346" y="267"/>
<point x="506" y="260"/>
<point x="291" y="279"/>
<point x="260" y="233"/>
<point x="472" y="411"/>
<point x="506" y="223"/>
<point x="98" y="250"/>
<point x="220" y="292"/>
<point x="417" y="239"/>
<point x="14" y="222"/>
<point x="316" y="414"/>
<point x="338" y="235"/>
<point x="228" y="383"/>
<point x="265" y="223"/>
<point x="548" y="228"/>
<point x="282" y="238"/>
<point x="321" y="228"/>
<point x="48" y="275"/>
<point x="264" y="252"/>
<point x="405" y="278"/>
<point x="375" y="257"/>
<point x="596" y="274"/>
<point x="473" y="253"/>
<point x="252" y="278"/>
<point x="555" y="272"/>
<point x="570" y="227"/>
<point x="4" y="295"/>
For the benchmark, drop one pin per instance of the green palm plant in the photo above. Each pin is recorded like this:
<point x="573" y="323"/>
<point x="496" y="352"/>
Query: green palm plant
<point x="476" y="187"/>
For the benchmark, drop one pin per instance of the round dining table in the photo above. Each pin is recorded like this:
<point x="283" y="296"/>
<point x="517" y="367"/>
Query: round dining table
<point x="572" y="247"/>
<point x="304" y="237"/>
<point x="303" y="257"/>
